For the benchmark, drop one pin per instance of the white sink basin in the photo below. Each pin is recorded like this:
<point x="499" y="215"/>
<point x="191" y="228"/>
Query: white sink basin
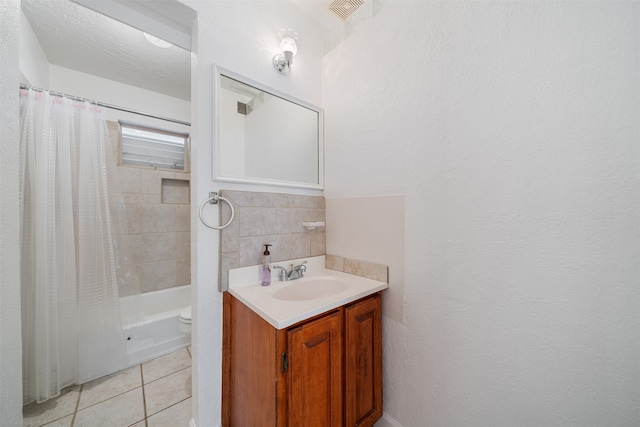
<point x="286" y="303"/>
<point x="308" y="288"/>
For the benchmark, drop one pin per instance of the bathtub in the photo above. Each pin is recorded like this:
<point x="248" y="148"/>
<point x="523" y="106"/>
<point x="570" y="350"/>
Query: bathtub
<point x="150" y="323"/>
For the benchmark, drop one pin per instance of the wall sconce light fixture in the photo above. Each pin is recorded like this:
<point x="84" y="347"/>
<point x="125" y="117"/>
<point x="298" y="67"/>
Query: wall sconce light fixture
<point x="284" y="60"/>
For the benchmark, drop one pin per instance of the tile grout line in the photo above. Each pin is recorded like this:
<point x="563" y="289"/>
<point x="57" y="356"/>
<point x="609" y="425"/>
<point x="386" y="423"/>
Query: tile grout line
<point x="172" y="405"/>
<point x="75" y="412"/>
<point x="172" y="372"/>
<point x="149" y="383"/>
<point x="102" y="401"/>
<point x="165" y="376"/>
<point x="144" y="400"/>
<point x="77" y="409"/>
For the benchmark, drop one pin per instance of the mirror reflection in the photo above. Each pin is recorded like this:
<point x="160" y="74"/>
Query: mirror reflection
<point x="266" y="138"/>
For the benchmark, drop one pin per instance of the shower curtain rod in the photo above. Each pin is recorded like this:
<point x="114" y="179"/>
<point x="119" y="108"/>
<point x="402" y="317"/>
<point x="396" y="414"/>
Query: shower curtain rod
<point x="102" y="104"/>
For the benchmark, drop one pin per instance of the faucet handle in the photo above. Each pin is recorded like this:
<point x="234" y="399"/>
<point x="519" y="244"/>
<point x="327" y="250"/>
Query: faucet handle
<point x="300" y="268"/>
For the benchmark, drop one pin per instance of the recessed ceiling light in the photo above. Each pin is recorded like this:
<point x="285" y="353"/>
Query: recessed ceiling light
<point x="158" y="42"/>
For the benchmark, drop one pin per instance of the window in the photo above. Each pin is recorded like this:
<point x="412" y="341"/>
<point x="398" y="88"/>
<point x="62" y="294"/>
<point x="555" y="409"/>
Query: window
<point x="151" y="147"/>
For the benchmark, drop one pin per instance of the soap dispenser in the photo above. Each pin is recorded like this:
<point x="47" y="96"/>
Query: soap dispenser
<point x="265" y="272"/>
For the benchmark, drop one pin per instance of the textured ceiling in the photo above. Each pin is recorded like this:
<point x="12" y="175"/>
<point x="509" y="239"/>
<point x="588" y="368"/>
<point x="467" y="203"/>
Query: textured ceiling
<point x="319" y="10"/>
<point x="83" y="40"/>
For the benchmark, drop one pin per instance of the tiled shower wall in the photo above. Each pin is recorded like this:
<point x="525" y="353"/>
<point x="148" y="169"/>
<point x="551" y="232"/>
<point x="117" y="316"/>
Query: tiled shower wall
<point x="151" y="226"/>
<point x="273" y="218"/>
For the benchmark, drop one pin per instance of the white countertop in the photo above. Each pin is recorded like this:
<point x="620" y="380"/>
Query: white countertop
<point x="243" y="285"/>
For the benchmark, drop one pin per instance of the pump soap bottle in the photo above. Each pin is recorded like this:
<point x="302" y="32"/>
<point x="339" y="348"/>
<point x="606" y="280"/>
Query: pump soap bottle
<point x="265" y="273"/>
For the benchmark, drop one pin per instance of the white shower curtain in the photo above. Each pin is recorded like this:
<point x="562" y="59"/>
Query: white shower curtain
<point x="71" y="328"/>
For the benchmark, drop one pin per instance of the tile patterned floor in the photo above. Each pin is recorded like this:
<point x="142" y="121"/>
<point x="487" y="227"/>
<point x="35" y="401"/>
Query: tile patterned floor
<point x="156" y="393"/>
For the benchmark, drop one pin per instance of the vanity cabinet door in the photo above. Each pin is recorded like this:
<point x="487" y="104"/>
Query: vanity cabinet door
<point x="363" y="362"/>
<point x="249" y="366"/>
<point x="315" y="372"/>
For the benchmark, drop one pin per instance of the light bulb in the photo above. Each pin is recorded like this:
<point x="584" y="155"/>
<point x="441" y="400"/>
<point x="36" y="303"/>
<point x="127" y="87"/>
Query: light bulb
<point x="288" y="48"/>
<point x="288" y="44"/>
<point x="158" y="42"/>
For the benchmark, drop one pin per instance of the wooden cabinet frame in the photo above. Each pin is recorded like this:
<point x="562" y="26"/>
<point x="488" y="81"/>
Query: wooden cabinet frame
<point x="363" y="362"/>
<point x="257" y="386"/>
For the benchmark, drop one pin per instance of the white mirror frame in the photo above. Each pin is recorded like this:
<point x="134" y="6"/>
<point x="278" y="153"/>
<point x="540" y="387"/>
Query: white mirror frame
<point x="217" y="72"/>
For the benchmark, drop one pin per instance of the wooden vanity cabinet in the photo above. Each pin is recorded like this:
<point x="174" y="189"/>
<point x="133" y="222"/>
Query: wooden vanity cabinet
<point x="363" y="362"/>
<point x="325" y="371"/>
<point x="314" y="368"/>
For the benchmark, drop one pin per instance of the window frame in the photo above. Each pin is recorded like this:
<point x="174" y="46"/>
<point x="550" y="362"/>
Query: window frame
<point x="150" y="128"/>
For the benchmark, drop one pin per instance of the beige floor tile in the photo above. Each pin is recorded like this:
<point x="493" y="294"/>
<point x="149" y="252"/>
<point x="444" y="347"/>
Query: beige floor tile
<point x="37" y="414"/>
<point x="122" y="410"/>
<point x="165" y="365"/>
<point x="177" y="415"/>
<point x="162" y="393"/>
<point x="117" y="400"/>
<point x="112" y="385"/>
<point x="62" y="422"/>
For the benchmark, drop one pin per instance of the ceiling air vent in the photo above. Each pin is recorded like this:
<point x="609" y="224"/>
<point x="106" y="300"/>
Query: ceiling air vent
<point x="243" y="109"/>
<point x="344" y="8"/>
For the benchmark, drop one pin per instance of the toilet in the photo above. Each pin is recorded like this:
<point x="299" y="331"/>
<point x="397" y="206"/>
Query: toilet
<point x="185" y="321"/>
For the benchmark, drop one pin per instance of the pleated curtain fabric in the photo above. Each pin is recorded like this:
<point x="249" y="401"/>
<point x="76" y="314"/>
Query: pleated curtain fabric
<point x="71" y="328"/>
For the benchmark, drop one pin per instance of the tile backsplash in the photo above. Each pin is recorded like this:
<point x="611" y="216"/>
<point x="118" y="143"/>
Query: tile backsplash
<point x="369" y="270"/>
<point x="273" y="218"/>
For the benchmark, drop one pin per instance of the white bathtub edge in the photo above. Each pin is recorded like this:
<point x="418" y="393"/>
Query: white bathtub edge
<point x="151" y="324"/>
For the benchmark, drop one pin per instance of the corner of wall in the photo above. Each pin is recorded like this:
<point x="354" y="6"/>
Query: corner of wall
<point x="10" y="341"/>
<point x="387" y="421"/>
<point x="34" y="64"/>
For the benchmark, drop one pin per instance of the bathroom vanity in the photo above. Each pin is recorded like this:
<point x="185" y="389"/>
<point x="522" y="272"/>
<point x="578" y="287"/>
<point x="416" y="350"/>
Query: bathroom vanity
<point x="323" y="370"/>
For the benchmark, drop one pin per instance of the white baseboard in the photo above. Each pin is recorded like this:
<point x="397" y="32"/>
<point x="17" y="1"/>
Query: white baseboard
<point x="192" y="423"/>
<point x="387" y="421"/>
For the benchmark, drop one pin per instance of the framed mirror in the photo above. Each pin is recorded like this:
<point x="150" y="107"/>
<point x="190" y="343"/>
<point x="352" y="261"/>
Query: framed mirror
<point x="264" y="136"/>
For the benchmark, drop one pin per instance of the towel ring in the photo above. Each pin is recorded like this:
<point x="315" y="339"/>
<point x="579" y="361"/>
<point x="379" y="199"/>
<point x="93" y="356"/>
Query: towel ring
<point x="213" y="200"/>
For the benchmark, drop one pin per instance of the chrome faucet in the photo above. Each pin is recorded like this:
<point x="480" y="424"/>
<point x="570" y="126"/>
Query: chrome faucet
<point x="283" y="272"/>
<point x="296" y="272"/>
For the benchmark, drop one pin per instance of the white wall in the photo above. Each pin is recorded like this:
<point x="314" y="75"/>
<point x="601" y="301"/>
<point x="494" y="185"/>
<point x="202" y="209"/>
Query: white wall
<point x="34" y="63"/>
<point x="371" y="229"/>
<point x="10" y="337"/>
<point x="241" y="37"/>
<point x="96" y="88"/>
<point x="512" y="130"/>
<point x="38" y="72"/>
